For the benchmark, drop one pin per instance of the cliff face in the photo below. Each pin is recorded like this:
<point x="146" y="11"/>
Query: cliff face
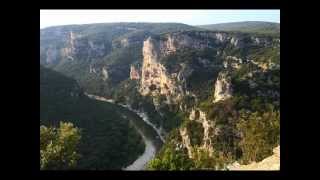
<point x="175" y="79"/>
<point x="69" y="51"/>
<point x="73" y="46"/>
<point x="195" y="40"/>
<point x="159" y="79"/>
<point x="154" y="79"/>
<point x="223" y="54"/>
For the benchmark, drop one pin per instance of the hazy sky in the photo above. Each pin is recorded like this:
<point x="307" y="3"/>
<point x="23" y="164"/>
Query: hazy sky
<point x="191" y="17"/>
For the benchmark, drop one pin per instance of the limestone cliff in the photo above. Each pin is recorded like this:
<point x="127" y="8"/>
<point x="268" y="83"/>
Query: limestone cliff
<point x="69" y="50"/>
<point x="154" y="78"/>
<point x="74" y="46"/>
<point x="198" y="40"/>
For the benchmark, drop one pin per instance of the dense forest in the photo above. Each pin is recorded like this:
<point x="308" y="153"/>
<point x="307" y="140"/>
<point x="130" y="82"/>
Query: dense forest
<point x="108" y="141"/>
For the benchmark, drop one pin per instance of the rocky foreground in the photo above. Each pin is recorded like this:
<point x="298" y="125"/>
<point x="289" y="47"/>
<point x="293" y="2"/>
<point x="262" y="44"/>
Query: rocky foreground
<point x="269" y="163"/>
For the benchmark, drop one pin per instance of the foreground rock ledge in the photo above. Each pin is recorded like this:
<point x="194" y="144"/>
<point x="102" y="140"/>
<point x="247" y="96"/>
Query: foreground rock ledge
<point x="270" y="163"/>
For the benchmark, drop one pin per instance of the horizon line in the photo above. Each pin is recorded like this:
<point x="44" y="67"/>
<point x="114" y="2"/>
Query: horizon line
<point x="150" y="22"/>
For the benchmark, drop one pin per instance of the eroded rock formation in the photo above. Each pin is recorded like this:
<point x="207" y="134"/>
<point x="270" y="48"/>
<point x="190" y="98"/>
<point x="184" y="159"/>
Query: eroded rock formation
<point x="222" y="89"/>
<point x="209" y="130"/>
<point x="154" y="78"/>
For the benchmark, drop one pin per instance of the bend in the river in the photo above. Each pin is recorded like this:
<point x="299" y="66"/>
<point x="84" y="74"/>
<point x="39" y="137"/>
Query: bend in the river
<point x="150" y="143"/>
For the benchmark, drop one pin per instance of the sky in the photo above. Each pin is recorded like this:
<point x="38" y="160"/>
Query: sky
<point x="190" y="17"/>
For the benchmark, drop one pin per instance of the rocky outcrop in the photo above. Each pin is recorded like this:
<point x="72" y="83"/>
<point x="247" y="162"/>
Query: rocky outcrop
<point x="222" y="89"/>
<point x="105" y="75"/>
<point x="186" y="141"/>
<point x="264" y="41"/>
<point x="174" y="41"/>
<point x="156" y="80"/>
<point x="234" y="41"/>
<point x="100" y="72"/>
<point x="266" y="65"/>
<point x="233" y="62"/>
<point x="222" y="37"/>
<point x="208" y="127"/>
<point x="134" y="73"/>
<point x="270" y="163"/>
<point x="209" y="130"/>
<point x="70" y="49"/>
<point x="154" y="77"/>
<point x="73" y="46"/>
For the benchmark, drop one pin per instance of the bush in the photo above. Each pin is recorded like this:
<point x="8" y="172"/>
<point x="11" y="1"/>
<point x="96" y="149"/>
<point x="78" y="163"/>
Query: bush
<point x="171" y="160"/>
<point x="260" y="134"/>
<point x="195" y="132"/>
<point x="58" y="146"/>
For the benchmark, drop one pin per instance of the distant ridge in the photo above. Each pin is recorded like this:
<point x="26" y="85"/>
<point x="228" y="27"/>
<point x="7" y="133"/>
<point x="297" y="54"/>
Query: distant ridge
<point x="245" y="26"/>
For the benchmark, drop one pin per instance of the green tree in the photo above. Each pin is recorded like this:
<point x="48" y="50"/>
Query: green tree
<point x="58" y="146"/>
<point x="202" y="160"/>
<point x="260" y="134"/>
<point x="171" y="160"/>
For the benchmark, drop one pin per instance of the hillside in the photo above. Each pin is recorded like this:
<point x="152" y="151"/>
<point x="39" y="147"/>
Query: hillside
<point x="246" y="26"/>
<point x="108" y="140"/>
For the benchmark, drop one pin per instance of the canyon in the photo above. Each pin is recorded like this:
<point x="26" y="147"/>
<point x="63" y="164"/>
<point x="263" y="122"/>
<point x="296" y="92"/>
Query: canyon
<point x="190" y="86"/>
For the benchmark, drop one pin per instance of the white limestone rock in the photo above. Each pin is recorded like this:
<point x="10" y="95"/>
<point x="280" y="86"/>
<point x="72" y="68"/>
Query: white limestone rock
<point x="105" y="74"/>
<point x="223" y="89"/>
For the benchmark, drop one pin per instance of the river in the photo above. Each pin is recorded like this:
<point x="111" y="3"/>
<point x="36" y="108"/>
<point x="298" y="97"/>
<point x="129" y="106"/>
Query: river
<point x="150" y="144"/>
